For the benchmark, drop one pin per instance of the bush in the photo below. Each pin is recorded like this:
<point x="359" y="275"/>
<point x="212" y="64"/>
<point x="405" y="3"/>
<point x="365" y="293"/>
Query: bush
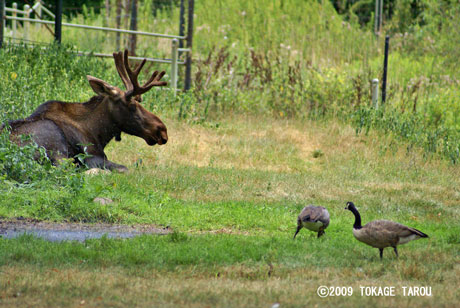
<point x="29" y="164"/>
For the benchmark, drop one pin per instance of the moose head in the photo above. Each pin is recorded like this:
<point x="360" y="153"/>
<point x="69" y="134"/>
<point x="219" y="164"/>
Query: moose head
<point x="124" y="106"/>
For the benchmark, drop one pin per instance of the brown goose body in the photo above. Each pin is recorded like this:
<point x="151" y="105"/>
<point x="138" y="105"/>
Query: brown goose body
<point x="383" y="233"/>
<point x="313" y="218"/>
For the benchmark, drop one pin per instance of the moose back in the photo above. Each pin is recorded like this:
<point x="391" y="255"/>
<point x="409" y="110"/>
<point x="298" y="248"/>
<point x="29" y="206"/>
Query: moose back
<point x="67" y="129"/>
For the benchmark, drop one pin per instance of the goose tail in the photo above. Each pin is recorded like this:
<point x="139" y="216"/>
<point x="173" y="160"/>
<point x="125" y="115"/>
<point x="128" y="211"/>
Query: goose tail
<point x="419" y="233"/>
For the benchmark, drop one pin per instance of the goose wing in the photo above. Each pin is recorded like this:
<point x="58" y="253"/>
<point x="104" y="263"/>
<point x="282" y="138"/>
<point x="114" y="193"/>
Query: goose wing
<point x="378" y="233"/>
<point x="400" y="229"/>
<point x="315" y="214"/>
<point x="384" y="233"/>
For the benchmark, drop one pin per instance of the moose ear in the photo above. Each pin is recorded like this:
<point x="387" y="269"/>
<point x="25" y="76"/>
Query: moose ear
<point x="101" y="87"/>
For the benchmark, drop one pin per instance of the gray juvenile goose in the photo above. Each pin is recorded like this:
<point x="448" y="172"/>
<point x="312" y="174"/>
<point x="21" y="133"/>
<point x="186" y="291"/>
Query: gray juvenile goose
<point x="314" y="218"/>
<point x="382" y="233"/>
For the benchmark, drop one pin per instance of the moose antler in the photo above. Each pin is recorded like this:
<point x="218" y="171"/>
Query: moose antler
<point x="129" y="77"/>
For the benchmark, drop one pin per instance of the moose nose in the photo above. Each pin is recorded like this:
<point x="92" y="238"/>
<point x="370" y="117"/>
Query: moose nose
<point x="163" y="137"/>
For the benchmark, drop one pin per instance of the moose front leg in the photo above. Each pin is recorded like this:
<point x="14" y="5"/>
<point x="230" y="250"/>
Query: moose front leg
<point x="97" y="161"/>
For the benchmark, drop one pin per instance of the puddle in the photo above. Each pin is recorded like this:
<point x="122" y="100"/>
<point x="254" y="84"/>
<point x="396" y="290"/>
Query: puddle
<point x="57" y="232"/>
<point x="66" y="235"/>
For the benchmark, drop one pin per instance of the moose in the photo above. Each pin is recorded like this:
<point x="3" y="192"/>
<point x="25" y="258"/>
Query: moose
<point x="67" y="129"/>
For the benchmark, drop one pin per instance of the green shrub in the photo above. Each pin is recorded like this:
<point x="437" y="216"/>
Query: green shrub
<point x="29" y="164"/>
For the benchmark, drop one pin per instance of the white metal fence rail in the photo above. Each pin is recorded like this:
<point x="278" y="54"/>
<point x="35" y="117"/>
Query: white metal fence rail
<point x="39" y="8"/>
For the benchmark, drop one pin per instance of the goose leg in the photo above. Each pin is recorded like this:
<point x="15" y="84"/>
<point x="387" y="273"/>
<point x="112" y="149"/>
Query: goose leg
<point x="320" y="233"/>
<point x="381" y="253"/>
<point x="297" y="231"/>
<point x="396" y="251"/>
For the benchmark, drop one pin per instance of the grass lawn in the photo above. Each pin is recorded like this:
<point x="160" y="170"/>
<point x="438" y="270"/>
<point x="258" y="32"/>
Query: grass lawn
<point x="231" y="190"/>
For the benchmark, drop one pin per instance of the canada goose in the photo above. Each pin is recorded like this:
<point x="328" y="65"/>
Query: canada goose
<point x="314" y="218"/>
<point x="382" y="233"/>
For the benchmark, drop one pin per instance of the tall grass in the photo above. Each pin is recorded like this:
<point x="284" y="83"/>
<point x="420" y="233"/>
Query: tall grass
<point x="296" y="59"/>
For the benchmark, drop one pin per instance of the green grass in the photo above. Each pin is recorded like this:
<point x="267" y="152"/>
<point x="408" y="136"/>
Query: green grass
<point x="233" y="225"/>
<point x="207" y="251"/>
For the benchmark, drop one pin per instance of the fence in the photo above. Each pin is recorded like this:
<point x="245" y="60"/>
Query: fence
<point x="39" y="8"/>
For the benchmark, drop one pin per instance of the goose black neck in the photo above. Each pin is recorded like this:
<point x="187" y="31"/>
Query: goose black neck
<point x="357" y="224"/>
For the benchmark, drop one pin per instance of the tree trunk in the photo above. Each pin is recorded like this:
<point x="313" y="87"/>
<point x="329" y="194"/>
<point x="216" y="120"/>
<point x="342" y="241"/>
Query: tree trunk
<point x="118" y="22"/>
<point x="126" y="19"/>
<point x="133" y="26"/>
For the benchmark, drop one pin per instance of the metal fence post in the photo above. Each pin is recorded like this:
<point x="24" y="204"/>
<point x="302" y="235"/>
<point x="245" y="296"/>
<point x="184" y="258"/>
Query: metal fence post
<point x="26" y="23"/>
<point x="188" y="65"/>
<point x="375" y="93"/>
<point x="58" y="21"/>
<point x="14" y="24"/>
<point x="181" y="23"/>
<point x="2" y="14"/>
<point x="174" y="47"/>
<point x="385" y="70"/>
